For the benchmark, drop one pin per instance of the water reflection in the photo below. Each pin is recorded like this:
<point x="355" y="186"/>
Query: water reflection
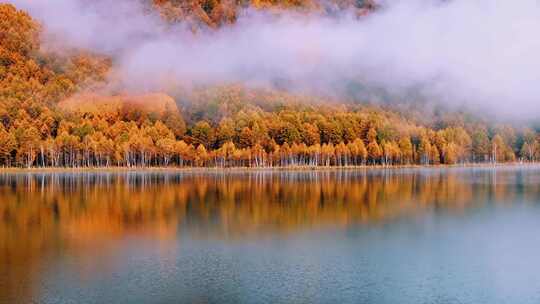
<point x="47" y="215"/>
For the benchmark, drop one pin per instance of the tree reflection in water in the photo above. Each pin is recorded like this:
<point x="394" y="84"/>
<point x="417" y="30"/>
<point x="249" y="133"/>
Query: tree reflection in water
<point x="47" y="214"/>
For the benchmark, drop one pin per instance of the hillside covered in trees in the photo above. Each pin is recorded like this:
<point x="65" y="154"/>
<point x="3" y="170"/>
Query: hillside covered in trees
<point x="215" y="13"/>
<point x="52" y="114"/>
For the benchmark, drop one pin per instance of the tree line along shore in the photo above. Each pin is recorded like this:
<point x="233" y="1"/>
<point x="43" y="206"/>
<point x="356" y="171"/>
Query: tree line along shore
<point x="125" y="144"/>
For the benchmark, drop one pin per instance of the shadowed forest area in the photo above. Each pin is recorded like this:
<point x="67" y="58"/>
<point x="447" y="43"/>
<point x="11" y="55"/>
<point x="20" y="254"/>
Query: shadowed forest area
<point x="54" y="112"/>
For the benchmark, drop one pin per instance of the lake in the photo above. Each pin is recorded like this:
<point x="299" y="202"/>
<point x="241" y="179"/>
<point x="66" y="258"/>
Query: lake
<point x="454" y="235"/>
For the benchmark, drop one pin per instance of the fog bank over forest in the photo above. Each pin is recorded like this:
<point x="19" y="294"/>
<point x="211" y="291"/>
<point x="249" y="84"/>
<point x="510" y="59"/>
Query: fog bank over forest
<point x="479" y="53"/>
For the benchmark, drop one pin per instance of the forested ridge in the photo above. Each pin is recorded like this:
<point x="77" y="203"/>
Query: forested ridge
<point x="215" y="13"/>
<point x="51" y="116"/>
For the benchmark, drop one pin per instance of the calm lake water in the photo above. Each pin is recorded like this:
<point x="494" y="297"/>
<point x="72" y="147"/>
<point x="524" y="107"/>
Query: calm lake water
<point x="459" y="235"/>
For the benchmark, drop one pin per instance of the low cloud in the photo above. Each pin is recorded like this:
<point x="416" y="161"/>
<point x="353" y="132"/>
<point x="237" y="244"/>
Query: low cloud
<point x="481" y="53"/>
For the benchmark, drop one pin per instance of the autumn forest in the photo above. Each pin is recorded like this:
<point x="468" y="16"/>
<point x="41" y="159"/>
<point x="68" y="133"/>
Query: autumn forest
<point x="54" y="112"/>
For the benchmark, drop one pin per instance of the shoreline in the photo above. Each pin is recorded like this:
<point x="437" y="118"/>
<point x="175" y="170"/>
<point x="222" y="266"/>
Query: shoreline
<point x="255" y="169"/>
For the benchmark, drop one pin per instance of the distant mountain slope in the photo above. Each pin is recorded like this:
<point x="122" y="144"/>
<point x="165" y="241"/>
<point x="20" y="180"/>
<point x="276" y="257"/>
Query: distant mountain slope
<point x="214" y="13"/>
